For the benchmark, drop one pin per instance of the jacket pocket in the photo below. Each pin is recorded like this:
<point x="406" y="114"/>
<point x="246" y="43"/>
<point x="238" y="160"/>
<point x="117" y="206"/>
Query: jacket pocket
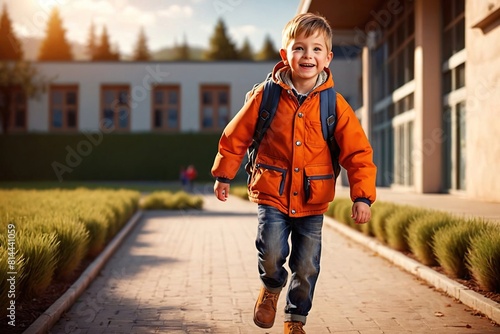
<point x="319" y="184"/>
<point x="314" y="134"/>
<point x="268" y="179"/>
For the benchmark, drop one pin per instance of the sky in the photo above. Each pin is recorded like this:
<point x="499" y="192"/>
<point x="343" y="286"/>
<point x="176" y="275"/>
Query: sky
<point x="165" y="22"/>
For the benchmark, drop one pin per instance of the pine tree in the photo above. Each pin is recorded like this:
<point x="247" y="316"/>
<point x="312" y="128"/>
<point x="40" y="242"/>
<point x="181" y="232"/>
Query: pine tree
<point x="10" y="47"/>
<point x="181" y="52"/>
<point x="221" y="47"/>
<point x="91" y="42"/>
<point x="141" y="52"/>
<point x="115" y="52"/>
<point x="246" y="52"/>
<point x="55" y="46"/>
<point x="268" y="52"/>
<point x="103" y="50"/>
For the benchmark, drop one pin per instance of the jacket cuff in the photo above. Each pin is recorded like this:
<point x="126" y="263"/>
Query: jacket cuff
<point x="223" y="179"/>
<point x="364" y="200"/>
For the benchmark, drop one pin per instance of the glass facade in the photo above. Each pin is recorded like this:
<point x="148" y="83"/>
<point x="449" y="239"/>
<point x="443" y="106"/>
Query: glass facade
<point x="393" y="67"/>
<point x="453" y="86"/>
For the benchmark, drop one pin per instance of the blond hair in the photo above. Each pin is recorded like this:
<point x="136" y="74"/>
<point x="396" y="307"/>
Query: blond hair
<point x="307" y="24"/>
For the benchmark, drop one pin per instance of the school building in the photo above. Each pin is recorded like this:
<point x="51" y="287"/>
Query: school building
<point x="430" y="88"/>
<point x="132" y="97"/>
<point x="422" y="75"/>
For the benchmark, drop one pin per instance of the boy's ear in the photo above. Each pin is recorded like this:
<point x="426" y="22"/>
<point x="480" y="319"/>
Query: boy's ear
<point x="283" y="56"/>
<point x="329" y="58"/>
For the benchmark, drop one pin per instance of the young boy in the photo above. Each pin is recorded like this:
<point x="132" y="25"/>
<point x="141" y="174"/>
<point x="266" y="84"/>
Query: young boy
<point x="291" y="156"/>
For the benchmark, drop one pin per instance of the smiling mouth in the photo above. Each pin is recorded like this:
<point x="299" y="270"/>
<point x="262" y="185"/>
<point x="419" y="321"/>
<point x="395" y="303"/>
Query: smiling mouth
<point x="307" y="65"/>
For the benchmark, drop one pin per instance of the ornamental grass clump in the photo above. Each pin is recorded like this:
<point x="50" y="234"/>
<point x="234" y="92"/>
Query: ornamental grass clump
<point x="9" y="283"/>
<point x="72" y="238"/>
<point x="396" y="227"/>
<point x="165" y="200"/>
<point x="338" y="209"/>
<point x="380" y="213"/>
<point x="96" y="223"/>
<point x="241" y="192"/>
<point x="39" y="251"/>
<point x="483" y="259"/>
<point x="451" y="243"/>
<point x="183" y="201"/>
<point x="421" y="232"/>
<point x="56" y="229"/>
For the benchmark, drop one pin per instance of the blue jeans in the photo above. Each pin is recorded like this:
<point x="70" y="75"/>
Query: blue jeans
<point x="272" y="245"/>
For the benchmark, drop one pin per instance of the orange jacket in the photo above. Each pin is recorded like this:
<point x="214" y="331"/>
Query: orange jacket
<point x="293" y="170"/>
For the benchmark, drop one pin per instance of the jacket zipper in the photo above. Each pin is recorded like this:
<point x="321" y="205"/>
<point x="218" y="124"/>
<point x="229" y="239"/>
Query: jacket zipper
<point x="312" y="178"/>
<point x="281" y="170"/>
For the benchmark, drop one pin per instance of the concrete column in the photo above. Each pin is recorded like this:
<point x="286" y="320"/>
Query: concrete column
<point x="428" y="133"/>
<point x="367" y="96"/>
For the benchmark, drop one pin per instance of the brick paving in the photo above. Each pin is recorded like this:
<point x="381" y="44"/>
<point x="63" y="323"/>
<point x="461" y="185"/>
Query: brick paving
<point x="196" y="272"/>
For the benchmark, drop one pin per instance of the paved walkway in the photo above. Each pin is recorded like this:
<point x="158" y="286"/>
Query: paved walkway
<point x="196" y="272"/>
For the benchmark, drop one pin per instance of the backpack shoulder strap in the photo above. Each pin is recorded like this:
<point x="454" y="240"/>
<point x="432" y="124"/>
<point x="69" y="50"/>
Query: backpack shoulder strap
<point x="328" y="113"/>
<point x="268" y="106"/>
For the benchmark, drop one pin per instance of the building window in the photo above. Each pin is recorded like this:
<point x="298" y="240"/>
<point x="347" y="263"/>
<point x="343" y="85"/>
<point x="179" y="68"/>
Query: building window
<point x="166" y="108"/>
<point x="394" y="54"/>
<point x="453" y="85"/>
<point x="63" y="101"/>
<point x="214" y="107"/>
<point x="115" y="108"/>
<point x="453" y="18"/>
<point x="17" y="117"/>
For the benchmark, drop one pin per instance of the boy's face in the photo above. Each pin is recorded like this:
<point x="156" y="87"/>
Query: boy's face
<point x="307" y="57"/>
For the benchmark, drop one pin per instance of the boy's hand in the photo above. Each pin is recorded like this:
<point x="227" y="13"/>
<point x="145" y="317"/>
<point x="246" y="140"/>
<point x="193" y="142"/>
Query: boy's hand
<point x="361" y="212"/>
<point x="221" y="190"/>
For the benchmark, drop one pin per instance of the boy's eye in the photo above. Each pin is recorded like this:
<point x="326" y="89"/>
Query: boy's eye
<point x="317" y="49"/>
<point x="299" y="48"/>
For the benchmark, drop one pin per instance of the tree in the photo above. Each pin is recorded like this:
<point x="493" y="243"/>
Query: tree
<point x="181" y="52"/>
<point x="268" y="52"/>
<point x="141" y="50"/>
<point x="55" y="46"/>
<point x="91" y="42"/>
<point x="115" y="51"/>
<point x="10" y="47"/>
<point x="221" y="47"/>
<point x="246" y="52"/>
<point x="15" y="75"/>
<point x="103" y="50"/>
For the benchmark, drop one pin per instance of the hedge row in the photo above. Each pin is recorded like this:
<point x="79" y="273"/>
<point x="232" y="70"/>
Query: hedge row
<point x="466" y="248"/>
<point x="45" y="235"/>
<point x="97" y="156"/>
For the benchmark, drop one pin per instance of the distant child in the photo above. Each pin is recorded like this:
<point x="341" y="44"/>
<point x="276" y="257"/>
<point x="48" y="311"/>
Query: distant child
<point x="183" y="178"/>
<point x="191" y="174"/>
<point x="292" y="156"/>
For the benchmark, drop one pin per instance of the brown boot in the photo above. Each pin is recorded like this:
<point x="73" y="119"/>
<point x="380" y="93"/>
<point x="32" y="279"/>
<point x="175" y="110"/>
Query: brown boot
<point x="265" y="308"/>
<point x="293" y="327"/>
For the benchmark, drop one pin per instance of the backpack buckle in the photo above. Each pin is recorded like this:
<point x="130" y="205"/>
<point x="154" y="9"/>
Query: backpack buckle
<point x="264" y="115"/>
<point x="330" y="120"/>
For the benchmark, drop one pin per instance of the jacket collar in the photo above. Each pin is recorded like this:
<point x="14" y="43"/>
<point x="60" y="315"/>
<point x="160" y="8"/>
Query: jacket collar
<point x="281" y="75"/>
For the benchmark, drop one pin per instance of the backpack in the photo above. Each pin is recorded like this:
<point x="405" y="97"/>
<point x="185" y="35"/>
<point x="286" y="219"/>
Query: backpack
<point x="268" y="107"/>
